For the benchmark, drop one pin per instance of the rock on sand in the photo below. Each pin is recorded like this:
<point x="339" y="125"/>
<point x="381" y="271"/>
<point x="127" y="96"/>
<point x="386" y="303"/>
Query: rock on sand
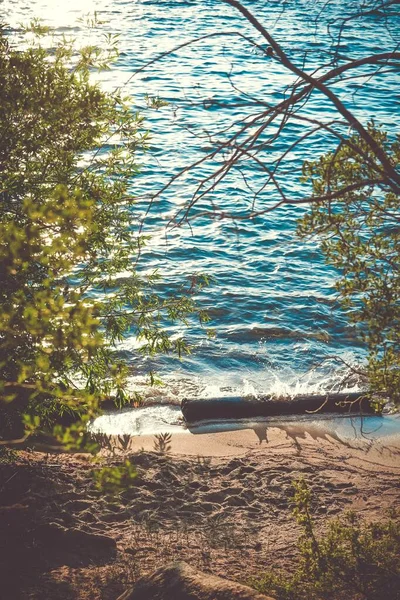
<point x="179" y="581"/>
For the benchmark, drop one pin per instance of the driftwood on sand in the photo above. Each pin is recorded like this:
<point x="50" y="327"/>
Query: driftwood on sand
<point x="237" y="407"/>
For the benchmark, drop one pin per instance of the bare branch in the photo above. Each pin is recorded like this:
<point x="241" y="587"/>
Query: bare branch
<point x="320" y="85"/>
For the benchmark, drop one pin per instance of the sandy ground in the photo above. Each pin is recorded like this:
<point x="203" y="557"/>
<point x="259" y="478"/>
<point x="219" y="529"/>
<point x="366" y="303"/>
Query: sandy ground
<point x="289" y="438"/>
<point x="222" y="502"/>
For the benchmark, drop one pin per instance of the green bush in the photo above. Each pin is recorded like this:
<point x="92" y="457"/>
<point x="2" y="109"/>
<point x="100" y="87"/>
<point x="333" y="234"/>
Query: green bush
<point x="69" y="237"/>
<point x="358" y="227"/>
<point x="351" y="560"/>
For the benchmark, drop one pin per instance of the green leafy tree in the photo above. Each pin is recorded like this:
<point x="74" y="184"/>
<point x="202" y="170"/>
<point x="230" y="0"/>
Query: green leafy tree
<point x="357" y="220"/>
<point x="67" y="232"/>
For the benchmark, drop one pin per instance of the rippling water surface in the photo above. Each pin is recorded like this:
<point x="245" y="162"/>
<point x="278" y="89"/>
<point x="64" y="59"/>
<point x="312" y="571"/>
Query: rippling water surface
<point x="273" y="304"/>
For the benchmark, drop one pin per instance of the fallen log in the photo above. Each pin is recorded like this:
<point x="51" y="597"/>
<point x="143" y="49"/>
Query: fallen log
<point x="237" y="407"/>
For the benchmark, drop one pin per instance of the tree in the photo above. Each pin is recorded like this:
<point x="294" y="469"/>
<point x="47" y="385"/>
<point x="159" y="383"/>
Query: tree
<point x="69" y="237"/>
<point x="353" y="191"/>
<point x="360" y="235"/>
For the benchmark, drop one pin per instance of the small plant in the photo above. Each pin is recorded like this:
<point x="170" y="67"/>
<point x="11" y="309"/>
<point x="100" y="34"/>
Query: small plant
<point x="204" y="463"/>
<point x="221" y="532"/>
<point x="351" y="560"/>
<point x="162" y="443"/>
<point x="124" y="441"/>
<point x="103" y="440"/>
<point x="137" y="400"/>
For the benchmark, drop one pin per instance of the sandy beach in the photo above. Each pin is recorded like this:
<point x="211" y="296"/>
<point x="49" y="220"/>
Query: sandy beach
<point x="222" y="502"/>
<point x="289" y="438"/>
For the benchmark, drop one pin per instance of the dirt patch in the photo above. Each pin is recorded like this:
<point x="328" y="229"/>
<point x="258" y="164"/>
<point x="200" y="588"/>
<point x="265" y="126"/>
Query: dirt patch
<point x="228" y="516"/>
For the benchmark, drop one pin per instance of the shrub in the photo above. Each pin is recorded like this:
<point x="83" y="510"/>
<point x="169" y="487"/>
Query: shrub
<point x="69" y="237"/>
<point x="352" y="559"/>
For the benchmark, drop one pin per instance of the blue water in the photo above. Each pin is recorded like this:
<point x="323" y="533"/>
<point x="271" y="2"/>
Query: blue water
<point x="273" y="304"/>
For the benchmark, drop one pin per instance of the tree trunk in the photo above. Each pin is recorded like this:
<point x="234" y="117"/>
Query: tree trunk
<point x="237" y="407"/>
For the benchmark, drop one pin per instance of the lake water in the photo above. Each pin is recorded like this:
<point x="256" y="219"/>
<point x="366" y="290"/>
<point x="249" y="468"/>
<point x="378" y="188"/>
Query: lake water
<point x="273" y="304"/>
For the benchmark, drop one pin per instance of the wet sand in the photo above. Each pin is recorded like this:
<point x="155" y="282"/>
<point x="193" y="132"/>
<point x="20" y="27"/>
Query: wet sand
<point x="284" y="438"/>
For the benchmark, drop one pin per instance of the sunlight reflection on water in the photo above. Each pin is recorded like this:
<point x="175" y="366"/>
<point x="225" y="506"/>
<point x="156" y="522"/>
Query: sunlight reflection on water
<point x="273" y="304"/>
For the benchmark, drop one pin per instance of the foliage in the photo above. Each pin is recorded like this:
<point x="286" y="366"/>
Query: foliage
<point x="162" y="443"/>
<point x="124" y="441"/>
<point x="69" y="239"/>
<point x="352" y="559"/>
<point x="113" y="480"/>
<point x="7" y="455"/>
<point x="103" y="440"/>
<point x="360" y="234"/>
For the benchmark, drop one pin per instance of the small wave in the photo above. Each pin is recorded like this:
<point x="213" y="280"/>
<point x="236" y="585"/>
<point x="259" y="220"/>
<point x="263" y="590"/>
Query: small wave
<point x="337" y="374"/>
<point x="245" y="334"/>
<point x="140" y="421"/>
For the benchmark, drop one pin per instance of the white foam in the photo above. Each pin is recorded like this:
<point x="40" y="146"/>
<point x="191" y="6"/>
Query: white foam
<point x="150" y="420"/>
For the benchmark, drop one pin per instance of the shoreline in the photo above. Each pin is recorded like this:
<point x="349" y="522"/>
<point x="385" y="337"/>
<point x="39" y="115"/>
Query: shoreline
<point x="147" y="426"/>
<point x="288" y="439"/>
